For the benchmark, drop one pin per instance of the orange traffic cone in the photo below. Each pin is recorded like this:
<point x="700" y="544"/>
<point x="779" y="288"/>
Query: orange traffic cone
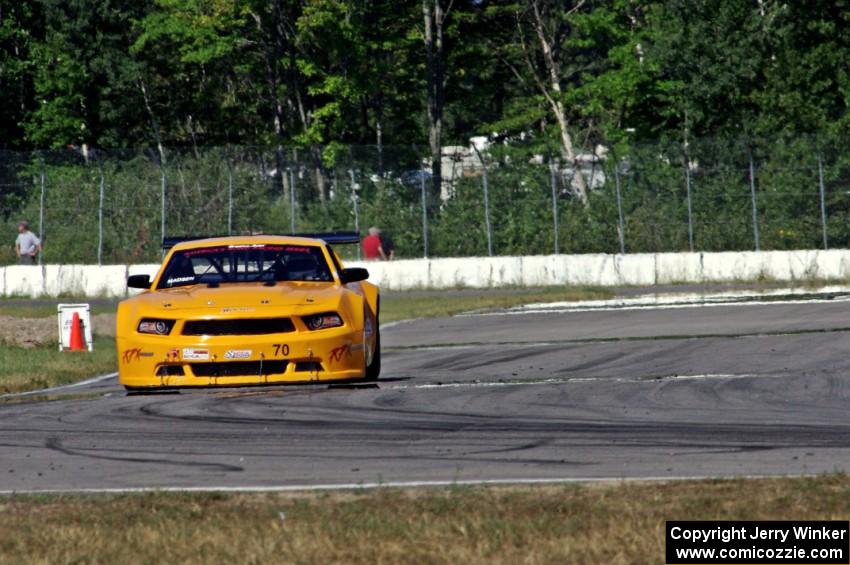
<point x="76" y="334"/>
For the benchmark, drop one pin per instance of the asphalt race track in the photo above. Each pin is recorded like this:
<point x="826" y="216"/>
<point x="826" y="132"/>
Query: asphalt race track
<point x="721" y="390"/>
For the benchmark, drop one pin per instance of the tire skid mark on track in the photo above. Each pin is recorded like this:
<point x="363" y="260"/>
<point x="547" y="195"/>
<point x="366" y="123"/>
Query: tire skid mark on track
<point x="515" y="448"/>
<point x="149" y="411"/>
<point x="599" y="407"/>
<point x="569" y="380"/>
<point x="579" y="341"/>
<point x="55" y="444"/>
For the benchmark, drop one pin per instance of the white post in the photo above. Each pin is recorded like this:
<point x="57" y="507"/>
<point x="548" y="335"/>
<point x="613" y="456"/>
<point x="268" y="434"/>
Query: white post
<point x="354" y="200"/>
<point x="229" y="192"/>
<point x="554" y="165"/>
<point x="822" y="203"/>
<point x="486" y="203"/>
<point x="424" y="218"/>
<point x="755" y="203"/>
<point x="621" y="229"/>
<point x="100" y="211"/>
<point x="41" y="213"/>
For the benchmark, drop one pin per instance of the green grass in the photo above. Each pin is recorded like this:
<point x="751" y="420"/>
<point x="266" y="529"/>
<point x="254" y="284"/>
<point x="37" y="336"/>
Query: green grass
<point x="23" y="369"/>
<point x="619" y="523"/>
<point x="429" y="304"/>
<point x="37" y="309"/>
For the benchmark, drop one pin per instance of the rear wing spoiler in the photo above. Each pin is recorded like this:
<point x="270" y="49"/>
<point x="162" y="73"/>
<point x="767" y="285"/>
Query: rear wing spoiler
<point x="331" y="238"/>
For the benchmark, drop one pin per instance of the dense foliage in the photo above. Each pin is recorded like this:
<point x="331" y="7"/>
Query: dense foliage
<point x="163" y="84"/>
<point x="121" y="73"/>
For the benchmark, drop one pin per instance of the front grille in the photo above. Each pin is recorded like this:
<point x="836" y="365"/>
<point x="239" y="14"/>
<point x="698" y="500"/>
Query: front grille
<point x="238" y="368"/>
<point x="247" y="326"/>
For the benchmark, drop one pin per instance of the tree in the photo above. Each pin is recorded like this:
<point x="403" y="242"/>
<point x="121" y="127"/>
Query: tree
<point x="543" y="27"/>
<point x="20" y="24"/>
<point x="712" y="59"/>
<point x="83" y="80"/>
<point x="578" y="70"/>
<point x="198" y="72"/>
<point x="434" y="17"/>
<point x="356" y="58"/>
<point x="806" y="76"/>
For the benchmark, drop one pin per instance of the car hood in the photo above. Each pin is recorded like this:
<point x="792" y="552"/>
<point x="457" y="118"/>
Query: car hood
<point x="240" y="297"/>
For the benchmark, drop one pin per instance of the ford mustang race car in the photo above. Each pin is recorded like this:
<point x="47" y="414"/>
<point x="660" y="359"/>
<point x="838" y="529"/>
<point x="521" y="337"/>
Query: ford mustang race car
<point x="249" y="310"/>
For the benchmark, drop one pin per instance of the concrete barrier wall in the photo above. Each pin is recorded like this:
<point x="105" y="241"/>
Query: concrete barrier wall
<point x="69" y="280"/>
<point x="487" y="272"/>
<point x="611" y="270"/>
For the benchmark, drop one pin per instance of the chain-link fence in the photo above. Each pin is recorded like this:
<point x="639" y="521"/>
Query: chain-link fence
<point x="97" y="206"/>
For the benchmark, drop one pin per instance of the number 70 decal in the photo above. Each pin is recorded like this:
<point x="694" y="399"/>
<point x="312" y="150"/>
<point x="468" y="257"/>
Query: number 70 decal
<point x="281" y="349"/>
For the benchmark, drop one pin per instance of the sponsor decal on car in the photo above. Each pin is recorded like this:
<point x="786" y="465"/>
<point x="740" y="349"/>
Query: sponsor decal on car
<point x="131" y="354"/>
<point x="134" y="354"/>
<point x="191" y="354"/>
<point x="179" y="280"/>
<point x="337" y="353"/>
<point x="263" y="246"/>
<point x="237" y="309"/>
<point x="203" y="251"/>
<point x="237" y="354"/>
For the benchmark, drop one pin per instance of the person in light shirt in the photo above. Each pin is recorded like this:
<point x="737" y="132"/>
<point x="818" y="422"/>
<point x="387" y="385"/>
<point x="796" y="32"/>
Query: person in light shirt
<point x="27" y="245"/>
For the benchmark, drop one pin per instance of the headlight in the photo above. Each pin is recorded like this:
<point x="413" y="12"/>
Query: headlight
<point x="323" y="321"/>
<point x="153" y="326"/>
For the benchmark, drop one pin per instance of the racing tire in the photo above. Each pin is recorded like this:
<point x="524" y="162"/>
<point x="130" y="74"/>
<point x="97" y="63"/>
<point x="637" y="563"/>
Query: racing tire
<point x="373" y="369"/>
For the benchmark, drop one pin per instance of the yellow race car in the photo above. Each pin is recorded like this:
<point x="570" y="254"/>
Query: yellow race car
<point x="252" y="310"/>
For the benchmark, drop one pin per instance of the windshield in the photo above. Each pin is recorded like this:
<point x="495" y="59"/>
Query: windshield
<point x="261" y="262"/>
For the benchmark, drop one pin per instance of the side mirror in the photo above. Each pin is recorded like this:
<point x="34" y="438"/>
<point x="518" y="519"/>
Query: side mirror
<point x="353" y="275"/>
<point x="139" y="281"/>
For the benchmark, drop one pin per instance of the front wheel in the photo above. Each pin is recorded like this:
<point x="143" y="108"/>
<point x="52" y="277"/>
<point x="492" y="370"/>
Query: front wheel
<point x="373" y="369"/>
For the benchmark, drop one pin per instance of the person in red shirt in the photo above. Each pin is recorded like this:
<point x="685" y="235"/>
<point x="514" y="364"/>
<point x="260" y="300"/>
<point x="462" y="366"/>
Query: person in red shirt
<point x="372" y="248"/>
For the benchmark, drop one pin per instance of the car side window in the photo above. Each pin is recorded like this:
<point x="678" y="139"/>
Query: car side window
<point x="335" y="260"/>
